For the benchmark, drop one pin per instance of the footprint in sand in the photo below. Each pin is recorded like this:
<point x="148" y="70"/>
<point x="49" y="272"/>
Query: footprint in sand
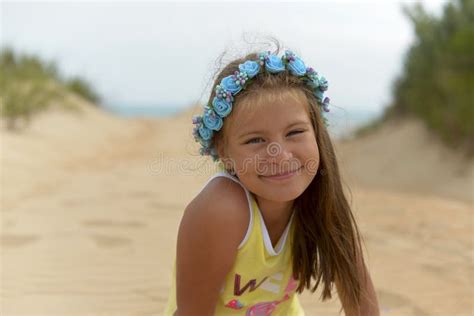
<point x="106" y="241"/>
<point x="16" y="240"/>
<point x="9" y="224"/>
<point x="434" y="269"/>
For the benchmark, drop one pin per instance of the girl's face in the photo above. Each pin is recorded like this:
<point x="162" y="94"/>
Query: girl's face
<point x="273" y="138"/>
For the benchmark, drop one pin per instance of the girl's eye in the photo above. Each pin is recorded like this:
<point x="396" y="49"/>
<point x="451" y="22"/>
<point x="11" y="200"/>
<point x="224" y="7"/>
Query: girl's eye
<point x="252" y="141"/>
<point x="255" y="140"/>
<point x="296" y="132"/>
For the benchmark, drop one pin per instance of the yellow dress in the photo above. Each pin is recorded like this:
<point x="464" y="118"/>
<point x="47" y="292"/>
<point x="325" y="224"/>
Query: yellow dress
<point x="260" y="283"/>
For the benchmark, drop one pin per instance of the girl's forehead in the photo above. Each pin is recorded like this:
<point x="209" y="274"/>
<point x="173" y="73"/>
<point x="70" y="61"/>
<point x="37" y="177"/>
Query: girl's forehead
<point x="279" y="107"/>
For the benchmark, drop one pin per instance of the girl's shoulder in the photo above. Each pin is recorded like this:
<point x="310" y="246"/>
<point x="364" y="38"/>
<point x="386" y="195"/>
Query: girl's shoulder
<point x="222" y="202"/>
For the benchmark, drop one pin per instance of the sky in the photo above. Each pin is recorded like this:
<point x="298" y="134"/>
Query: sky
<point x="164" y="54"/>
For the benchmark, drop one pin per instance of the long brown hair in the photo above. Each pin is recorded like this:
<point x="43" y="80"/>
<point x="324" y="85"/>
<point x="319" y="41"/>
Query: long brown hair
<point x="327" y="243"/>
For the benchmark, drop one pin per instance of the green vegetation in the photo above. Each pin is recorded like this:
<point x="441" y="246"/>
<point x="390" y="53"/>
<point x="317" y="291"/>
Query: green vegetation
<point x="83" y="88"/>
<point x="29" y="85"/>
<point x="437" y="81"/>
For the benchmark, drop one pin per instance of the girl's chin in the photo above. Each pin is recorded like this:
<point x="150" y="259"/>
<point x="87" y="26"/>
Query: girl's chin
<point x="284" y="195"/>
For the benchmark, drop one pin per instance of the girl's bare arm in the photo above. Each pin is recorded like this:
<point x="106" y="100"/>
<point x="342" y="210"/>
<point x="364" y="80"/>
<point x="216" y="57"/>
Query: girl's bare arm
<point x="212" y="227"/>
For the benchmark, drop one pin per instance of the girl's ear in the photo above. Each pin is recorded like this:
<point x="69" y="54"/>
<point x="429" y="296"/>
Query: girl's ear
<point x="220" y="150"/>
<point x="224" y="157"/>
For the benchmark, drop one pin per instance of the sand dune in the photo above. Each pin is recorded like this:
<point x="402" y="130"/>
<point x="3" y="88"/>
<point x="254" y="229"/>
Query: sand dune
<point x="91" y="204"/>
<point x="404" y="156"/>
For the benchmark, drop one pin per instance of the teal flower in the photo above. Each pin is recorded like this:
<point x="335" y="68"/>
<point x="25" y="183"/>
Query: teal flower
<point x="326" y="104"/>
<point x="205" y="142"/>
<point x="313" y="83"/>
<point x="274" y="64"/>
<point x="222" y="93"/>
<point x="318" y="94"/>
<point x="250" y="67"/>
<point x="197" y="119"/>
<point x="229" y="84"/>
<point x="211" y="120"/>
<point x="297" y="67"/>
<point x="205" y="133"/>
<point x="323" y="84"/>
<point x="221" y="107"/>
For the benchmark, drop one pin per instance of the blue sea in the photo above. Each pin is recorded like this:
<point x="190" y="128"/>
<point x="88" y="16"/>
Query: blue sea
<point x="342" y="121"/>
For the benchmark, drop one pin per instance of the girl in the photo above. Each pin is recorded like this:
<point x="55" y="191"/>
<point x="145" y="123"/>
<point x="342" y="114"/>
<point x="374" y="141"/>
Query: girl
<point x="274" y="216"/>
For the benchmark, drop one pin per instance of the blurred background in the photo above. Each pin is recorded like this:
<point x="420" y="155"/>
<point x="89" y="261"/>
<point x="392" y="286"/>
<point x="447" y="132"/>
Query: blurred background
<point x="98" y="160"/>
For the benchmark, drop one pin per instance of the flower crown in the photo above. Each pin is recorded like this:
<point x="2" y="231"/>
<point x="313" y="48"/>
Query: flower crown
<point x="212" y="118"/>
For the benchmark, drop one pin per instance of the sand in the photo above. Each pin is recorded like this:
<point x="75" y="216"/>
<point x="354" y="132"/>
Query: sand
<point x="90" y="207"/>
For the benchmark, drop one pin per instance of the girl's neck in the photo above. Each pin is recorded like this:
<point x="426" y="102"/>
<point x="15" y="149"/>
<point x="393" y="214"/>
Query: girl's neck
<point x="275" y="214"/>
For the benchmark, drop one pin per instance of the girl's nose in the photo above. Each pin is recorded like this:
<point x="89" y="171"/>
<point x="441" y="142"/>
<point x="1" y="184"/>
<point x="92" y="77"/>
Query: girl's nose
<point x="279" y="153"/>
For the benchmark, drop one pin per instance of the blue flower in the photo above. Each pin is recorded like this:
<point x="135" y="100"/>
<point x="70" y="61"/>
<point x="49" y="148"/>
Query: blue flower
<point x="326" y="104"/>
<point x="197" y="119"/>
<point x="313" y="82"/>
<point x="318" y="94"/>
<point x="222" y="93"/>
<point x="250" y="67"/>
<point x="229" y="84"/>
<point x="297" y="67"/>
<point x="206" y="143"/>
<point x="205" y="133"/>
<point x="323" y="84"/>
<point x="274" y="64"/>
<point x="221" y="107"/>
<point x="196" y="132"/>
<point x="212" y="121"/>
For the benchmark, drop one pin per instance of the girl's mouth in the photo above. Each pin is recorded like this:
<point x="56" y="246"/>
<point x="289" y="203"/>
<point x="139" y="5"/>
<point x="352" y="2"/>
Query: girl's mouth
<point x="282" y="176"/>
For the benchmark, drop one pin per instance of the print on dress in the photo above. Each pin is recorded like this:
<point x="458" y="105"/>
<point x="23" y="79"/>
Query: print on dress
<point x="252" y="284"/>
<point x="261" y="308"/>
<point x="266" y="308"/>
<point x="234" y="304"/>
<point x="292" y="285"/>
<point x="271" y="283"/>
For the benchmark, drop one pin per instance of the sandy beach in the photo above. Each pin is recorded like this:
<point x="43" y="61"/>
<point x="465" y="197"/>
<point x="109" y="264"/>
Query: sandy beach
<point x="90" y="207"/>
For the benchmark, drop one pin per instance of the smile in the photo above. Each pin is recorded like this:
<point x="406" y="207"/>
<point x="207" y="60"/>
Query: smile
<point x="282" y="176"/>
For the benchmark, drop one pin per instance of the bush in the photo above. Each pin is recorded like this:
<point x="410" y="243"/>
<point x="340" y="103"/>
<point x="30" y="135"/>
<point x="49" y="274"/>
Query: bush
<point x="437" y="80"/>
<point x="29" y="85"/>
